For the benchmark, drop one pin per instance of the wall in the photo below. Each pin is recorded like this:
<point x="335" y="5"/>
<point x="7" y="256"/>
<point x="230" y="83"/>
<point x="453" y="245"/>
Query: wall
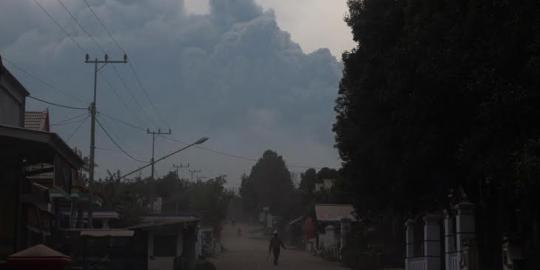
<point x="12" y="100"/>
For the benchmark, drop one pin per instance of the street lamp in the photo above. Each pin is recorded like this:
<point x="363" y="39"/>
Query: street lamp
<point x="199" y="141"/>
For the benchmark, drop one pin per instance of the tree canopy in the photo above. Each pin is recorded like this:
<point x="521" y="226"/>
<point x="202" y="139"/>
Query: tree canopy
<point x="269" y="184"/>
<point x="442" y="94"/>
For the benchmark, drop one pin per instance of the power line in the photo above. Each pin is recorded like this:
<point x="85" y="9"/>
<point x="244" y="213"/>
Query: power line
<point x="57" y="104"/>
<point x="69" y="120"/>
<point x="77" y="128"/>
<point x="235" y="156"/>
<point x="104" y="27"/>
<point x="121" y="100"/>
<point x="128" y="124"/>
<point x="97" y="43"/>
<point x="60" y="26"/>
<point x="124" y="84"/>
<point x="80" y="25"/>
<point x="131" y="66"/>
<point x="116" y="144"/>
<point x="147" y="95"/>
<point x="49" y="85"/>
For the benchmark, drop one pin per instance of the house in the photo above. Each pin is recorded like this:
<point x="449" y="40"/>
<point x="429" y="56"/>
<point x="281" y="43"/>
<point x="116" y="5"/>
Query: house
<point x="333" y="224"/>
<point x="31" y="207"/>
<point x="325" y="184"/>
<point x="12" y="99"/>
<point x="37" y="120"/>
<point x="164" y="242"/>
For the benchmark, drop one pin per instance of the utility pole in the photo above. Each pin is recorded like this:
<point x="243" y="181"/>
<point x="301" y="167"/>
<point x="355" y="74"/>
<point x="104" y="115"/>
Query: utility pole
<point x="93" y="110"/>
<point x="192" y="172"/>
<point x="179" y="167"/>
<point x="154" y="133"/>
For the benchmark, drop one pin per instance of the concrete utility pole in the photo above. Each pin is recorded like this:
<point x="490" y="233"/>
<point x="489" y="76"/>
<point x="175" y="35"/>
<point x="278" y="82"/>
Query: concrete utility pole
<point x="93" y="110"/>
<point x="154" y="133"/>
<point x="179" y="167"/>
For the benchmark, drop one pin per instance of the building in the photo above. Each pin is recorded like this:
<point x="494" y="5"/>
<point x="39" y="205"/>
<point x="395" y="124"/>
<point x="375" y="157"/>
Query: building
<point x="37" y="121"/>
<point x="332" y="223"/>
<point x="12" y="99"/>
<point x="37" y="172"/>
<point x="166" y="242"/>
<point x="325" y="185"/>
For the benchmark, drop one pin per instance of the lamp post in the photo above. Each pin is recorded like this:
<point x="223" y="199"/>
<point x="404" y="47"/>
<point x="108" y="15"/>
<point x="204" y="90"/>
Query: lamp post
<point x="199" y="141"/>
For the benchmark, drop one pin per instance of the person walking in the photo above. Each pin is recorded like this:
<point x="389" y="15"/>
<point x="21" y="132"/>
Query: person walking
<point x="275" y="246"/>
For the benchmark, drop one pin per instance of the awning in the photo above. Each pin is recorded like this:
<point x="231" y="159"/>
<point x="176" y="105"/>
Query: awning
<point x="107" y="233"/>
<point x="56" y="192"/>
<point x="150" y="222"/>
<point x="35" y="146"/>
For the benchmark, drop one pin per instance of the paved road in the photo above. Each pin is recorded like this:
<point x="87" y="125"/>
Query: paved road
<point x="248" y="253"/>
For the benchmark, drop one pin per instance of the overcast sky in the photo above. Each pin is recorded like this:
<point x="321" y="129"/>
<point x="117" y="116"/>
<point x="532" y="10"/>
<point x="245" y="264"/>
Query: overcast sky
<point x="251" y="75"/>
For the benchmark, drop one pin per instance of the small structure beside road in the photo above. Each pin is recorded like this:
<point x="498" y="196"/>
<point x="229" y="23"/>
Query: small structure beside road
<point x="333" y="224"/>
<point x="170" y="242"/>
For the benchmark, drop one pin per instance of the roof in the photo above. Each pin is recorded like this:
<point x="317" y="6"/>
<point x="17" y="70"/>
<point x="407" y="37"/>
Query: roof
<point x="334" y="212"/>
<point x="35" y="146"/>
<point x="107" y="233"/>
<point x="37" y="120"/>
<point x="38" y="251"/>
<point x="155" y="221"/>
<point x="4" y="72"/>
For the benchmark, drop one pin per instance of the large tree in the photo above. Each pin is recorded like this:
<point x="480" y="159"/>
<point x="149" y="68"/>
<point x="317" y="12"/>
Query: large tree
<point x="443" y="94"/>
<point x="269" y="185"/>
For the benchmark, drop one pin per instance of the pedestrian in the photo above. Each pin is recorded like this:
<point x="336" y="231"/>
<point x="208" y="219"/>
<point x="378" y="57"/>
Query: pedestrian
<point x="275" y="246"/>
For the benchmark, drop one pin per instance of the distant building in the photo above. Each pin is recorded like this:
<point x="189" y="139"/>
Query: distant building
<point x="37" y="121"/>
<point x="169" y="242"/>
<point x="326" y="184"/>
<point x="333" y="222"/>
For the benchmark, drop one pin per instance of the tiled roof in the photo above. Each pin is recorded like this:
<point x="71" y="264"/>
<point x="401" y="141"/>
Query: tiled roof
<point x="37" y="120"/>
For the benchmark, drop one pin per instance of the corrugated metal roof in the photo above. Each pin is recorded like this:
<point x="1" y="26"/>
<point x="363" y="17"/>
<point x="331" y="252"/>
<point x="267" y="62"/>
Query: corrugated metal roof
<point x="334" y="212"/>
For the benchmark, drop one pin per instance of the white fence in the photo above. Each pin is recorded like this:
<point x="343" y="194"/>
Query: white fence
<point x="453" y="261"/>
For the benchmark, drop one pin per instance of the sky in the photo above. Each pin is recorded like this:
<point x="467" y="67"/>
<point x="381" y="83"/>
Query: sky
<point x="251" y="75"/>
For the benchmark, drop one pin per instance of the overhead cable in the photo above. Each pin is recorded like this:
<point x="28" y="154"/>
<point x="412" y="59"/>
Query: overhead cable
<point x="116" y="144"/>
<point x="60" y="26"/>
<point x="57" y="104"/>
<point x="131" y="66"/>
<point x="77" y="128"/>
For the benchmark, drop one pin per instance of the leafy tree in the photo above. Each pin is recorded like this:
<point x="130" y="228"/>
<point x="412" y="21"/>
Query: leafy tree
<point x="308" y="180"/>
<point x="248" y="196"/>
<point x="269" y="184"/>
<point x="443" y="94"/>
<point x="209" y="199"/>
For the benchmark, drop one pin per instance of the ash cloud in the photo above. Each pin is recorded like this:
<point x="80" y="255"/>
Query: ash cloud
<point x="232" y="75"/>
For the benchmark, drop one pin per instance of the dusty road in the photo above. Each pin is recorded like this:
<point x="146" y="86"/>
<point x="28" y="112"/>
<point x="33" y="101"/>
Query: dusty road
<point x="247" y="253"/>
